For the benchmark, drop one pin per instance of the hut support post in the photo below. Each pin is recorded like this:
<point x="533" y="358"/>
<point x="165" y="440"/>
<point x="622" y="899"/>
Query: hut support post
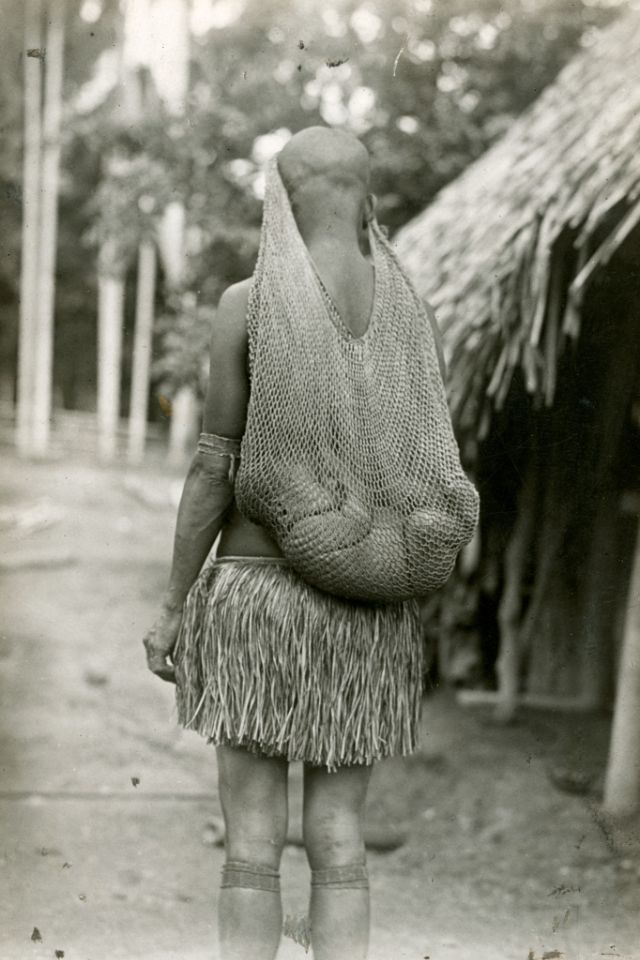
<point x="622" y="783"/>
<point x="142" y="351"/>
<point x="509" y="613"/>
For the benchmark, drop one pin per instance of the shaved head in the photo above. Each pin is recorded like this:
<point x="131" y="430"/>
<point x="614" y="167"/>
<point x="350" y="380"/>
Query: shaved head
<point x="322" y="158"/>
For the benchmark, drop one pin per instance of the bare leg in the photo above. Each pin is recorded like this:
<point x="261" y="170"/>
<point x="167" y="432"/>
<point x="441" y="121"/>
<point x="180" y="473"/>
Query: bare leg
<point x="253" y="794"/>
<point x="333" y="837"/>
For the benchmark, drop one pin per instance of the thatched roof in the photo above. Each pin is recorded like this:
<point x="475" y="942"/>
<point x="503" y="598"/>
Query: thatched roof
<point x="505" y="252"/>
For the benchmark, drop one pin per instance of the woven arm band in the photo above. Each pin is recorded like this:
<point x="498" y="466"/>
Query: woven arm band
<point x="212" y="445"/>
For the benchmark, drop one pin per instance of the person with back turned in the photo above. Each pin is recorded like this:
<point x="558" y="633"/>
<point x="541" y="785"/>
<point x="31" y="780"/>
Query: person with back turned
<point x="328" y="467"/>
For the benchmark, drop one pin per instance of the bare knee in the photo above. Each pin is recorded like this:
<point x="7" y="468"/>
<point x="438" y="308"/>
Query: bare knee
<point x="333" y="839"/>
<point x="264" y="847"/>
<point x="253" y="797"/>
<point x="333" y="820"/>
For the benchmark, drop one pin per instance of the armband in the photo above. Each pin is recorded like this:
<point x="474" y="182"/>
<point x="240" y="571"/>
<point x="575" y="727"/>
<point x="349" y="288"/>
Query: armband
<point x="212" y="445"/>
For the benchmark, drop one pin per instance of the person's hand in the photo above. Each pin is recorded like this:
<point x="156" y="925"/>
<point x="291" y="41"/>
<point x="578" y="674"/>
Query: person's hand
<point x="160" y="642"/>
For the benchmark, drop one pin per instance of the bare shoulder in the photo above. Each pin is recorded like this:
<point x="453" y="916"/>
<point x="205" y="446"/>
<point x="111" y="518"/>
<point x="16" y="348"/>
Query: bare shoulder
<point x="225" y="405"/>
<point x="237" y="294"/>
<point x="230" y="318"/>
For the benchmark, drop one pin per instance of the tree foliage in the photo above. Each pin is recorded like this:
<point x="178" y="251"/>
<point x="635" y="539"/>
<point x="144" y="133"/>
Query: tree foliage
<point x="427" y="84"/>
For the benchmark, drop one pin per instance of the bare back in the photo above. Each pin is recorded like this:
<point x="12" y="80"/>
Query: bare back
<point x="348" y="279"/>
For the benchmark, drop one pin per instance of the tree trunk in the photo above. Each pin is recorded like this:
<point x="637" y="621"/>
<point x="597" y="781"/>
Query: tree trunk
<point x="171" y="75"/>
<point x="598" y="606"/>
<point x="184" y="408"/>
<point x="142" y="351"/>
<point x="184" y="425"/>
<point x="546" y="635"/>
<point x="171" y="242"/>
<point x="622" y="785"/>
<point x="52" y="115"/>
<point x="30" y="222"/>
<point x="510" y="611"/>
<point x="110" y="318"/>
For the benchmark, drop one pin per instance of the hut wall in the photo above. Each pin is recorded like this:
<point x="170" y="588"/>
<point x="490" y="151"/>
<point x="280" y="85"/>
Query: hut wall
<point x="579" y="555"/>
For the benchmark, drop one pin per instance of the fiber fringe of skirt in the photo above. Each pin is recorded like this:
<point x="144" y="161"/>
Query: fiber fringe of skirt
<point x="265" y="661"/>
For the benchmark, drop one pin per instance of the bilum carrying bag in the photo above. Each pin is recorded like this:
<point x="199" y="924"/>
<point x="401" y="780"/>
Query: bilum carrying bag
<point x="348" y="458"/>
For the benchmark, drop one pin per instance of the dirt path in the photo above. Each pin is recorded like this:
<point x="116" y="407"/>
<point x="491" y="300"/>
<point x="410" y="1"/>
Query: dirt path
<point x="105" y="804"/>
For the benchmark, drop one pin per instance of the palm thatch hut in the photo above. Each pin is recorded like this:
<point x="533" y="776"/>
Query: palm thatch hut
<point x="531" y="260"/>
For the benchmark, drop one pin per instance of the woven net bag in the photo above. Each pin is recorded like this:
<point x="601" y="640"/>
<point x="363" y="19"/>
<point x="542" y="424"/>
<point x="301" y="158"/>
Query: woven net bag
<point x="348" y="458"/>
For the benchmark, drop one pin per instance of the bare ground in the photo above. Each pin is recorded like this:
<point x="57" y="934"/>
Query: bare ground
<point x="109" y="812"/>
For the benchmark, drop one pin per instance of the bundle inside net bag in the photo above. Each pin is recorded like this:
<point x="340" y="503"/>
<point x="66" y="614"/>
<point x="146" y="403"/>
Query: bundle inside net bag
<point x="348" y="458"/>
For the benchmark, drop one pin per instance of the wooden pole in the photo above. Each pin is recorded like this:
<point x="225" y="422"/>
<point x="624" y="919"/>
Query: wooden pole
<point x="110" y="319"/>
<point x="32" y="67"/>
<point x="51" y="122"/>
<point x="142" y="351"/>
<point x="622" y="782"/>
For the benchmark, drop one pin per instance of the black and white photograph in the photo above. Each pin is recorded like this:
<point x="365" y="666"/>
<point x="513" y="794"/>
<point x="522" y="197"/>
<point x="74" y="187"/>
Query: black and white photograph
<point x="320" y="480"/>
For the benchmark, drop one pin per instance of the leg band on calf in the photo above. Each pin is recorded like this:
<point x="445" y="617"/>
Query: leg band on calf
<point x="251" y="876"/>
<point x="353" y="876"/>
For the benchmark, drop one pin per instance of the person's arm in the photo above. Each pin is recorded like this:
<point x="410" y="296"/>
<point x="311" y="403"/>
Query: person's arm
<point x="206" y="498"/>
<point x="208" y="489"/>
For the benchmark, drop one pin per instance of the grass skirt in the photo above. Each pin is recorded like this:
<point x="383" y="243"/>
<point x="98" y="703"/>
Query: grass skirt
<point x="265" y="661"/>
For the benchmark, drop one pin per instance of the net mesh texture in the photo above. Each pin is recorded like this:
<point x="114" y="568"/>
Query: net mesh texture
<point x="348" y="459"/>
